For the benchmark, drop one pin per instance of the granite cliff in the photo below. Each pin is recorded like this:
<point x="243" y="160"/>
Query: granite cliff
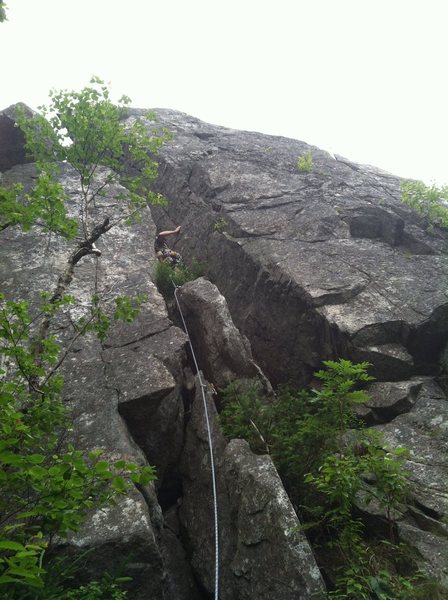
<point x="301" y="267"/>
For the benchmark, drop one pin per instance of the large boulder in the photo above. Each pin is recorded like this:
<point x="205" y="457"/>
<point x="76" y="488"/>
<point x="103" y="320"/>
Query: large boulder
<point x="222" y="352"/>
<point x="262" y="553"/>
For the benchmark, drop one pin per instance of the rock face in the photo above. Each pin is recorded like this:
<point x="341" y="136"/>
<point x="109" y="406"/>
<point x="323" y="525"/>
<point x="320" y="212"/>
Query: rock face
<point x="262" y="553"/>
<point x="388" y="400"/>
<point x="320" y="265"/>
<point x="311" y="266"/>
<point x="268" y="538"/>
<point x="137" y="367"/>
<point x="223" y="353"/>
<point x="424" y="430"/>
<point x="128" y="396"/>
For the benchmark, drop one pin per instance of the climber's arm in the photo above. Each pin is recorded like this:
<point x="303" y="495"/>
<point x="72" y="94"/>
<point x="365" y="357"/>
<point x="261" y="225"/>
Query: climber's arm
<point x="172" y="232"/>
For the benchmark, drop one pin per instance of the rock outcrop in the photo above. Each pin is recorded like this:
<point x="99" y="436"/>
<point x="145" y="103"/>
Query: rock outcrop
<point x="223" y="353"/>
<point x="262" y="553"/>
<point x="12" y="146"/>
<point x="137" y="367"/>
<point x="317" y="265"/>
<point x="310" y="266"/>
<point x="424" y="431"/>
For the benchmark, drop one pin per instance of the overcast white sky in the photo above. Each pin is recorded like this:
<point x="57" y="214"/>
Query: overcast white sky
<point x="363" y="78"/>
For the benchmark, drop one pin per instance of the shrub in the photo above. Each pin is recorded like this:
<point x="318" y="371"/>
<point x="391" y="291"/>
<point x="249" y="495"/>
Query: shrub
<point x="245" y="415"/>
<point x="302" y="426"/>
<point x="305" y="162"/>
<point x="165" y="276"/>
<point x="220" y="224"/>
<point x="328" y="468"/>
<point x="430" y="201"/>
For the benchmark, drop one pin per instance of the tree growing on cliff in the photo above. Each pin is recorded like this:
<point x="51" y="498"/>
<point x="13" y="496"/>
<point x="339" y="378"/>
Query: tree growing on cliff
<point x="47" y="484"/>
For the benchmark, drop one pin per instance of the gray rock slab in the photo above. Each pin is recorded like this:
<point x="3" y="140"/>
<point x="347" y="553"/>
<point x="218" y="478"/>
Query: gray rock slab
<point x="12" y="141"/>
<point x="267" y="531"/>
<point x="424" y="431"/>
<point x="387" y="400"/>
<point x="312" y="265"/>
<point x="262" y="553"/>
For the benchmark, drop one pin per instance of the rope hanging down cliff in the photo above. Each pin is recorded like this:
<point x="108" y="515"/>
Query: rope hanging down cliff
<point x="210" y="445"/>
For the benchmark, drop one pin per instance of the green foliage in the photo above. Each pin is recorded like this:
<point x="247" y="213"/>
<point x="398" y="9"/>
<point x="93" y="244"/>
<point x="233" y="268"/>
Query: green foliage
<point x="62" y="577"/>
<point x="12" y="211"/>
<point x="47" y="485"/>
<point x="127" y="308"/>
<point x="97" y="590"/>
<point x="301" y="427"/>
<point x="430" y="201"/>
<point x="329" y="468"/>
<point x="244" y="415"/>
<point x="338" y="395"/>
<point x="220" y="224"/>
<point x="305" y="162"/>
<point x="86" y="130"/>
<point x="44" y="205"/>
<point x="57" y="587"/>
<point x="165" y="275"/>
<point x="342" y="482"/>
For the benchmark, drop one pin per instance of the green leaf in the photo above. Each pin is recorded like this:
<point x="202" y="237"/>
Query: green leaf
<point x="9" y="545"/>
<point x="102" y="466"/>
<point x="36" y="458"/>
<point x="119" y="484"/>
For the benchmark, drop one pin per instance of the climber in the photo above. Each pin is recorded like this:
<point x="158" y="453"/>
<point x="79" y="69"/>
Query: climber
<point x="163" y="252"/>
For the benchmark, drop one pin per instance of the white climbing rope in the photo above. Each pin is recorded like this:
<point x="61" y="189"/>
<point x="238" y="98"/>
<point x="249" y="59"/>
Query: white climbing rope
<point x="210" y="445"/>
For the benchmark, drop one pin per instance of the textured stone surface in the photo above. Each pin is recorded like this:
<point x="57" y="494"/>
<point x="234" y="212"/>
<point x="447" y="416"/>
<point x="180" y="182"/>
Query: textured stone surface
<point x="196" y="514"/>
<point x="268" y="541"/>
<point x="312" y="265"/>
<point x="136" y="364"/>
<point x="262" y="554"/>
<point x="424" y="431"/>
<point x="179" y="583"/>
<point x="388" y="400"/>
<point x="222" y="352"/>
<point x="321" y="265"/>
